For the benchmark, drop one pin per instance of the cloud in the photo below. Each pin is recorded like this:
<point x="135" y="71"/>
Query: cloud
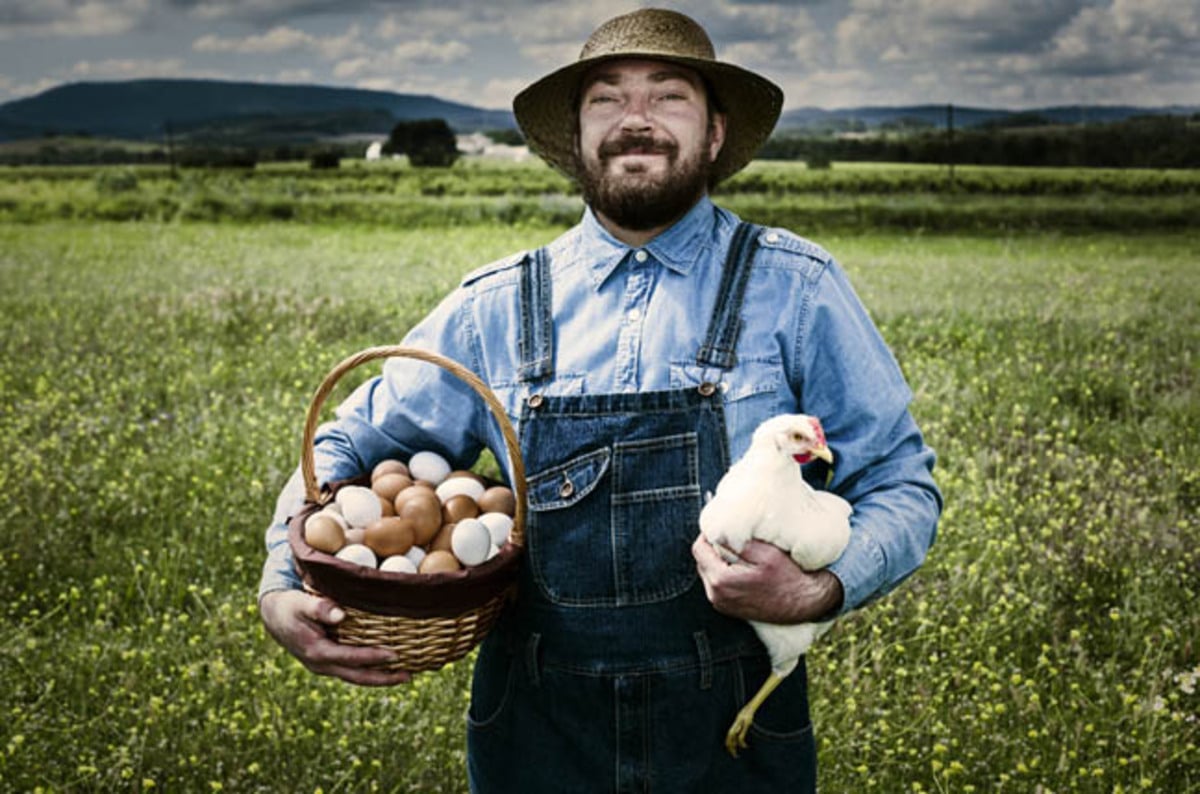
<point x="127" y="68"/>
<point x="267" y="11"/>
<point x="64" y="18"/>
<point x="284" y="39"/>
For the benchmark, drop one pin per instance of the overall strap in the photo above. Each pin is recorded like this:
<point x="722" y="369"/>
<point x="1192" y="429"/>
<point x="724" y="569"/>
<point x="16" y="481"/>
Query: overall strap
<point x="535" y="341"/>
<point x="720" y="342"/>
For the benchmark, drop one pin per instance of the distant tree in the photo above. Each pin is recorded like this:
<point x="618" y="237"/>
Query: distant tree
<point x="509" y="137"/>
<point x="326" y="158"/>
<point x="427" y="142"/>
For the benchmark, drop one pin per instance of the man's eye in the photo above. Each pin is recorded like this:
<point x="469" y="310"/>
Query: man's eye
<point x="600" y="100"/>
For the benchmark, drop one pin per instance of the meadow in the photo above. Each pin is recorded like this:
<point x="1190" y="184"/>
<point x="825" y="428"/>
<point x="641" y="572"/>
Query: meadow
<point x="160" y="339"/>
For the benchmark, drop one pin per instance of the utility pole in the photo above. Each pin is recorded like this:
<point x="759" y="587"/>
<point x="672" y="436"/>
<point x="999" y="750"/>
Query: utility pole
<point x="170" y="149"/>
<point x="950" y="141"/>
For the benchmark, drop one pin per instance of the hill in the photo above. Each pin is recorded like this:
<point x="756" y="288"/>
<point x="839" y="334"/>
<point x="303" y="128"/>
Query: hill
<point x="145" y="109"/>
<point x="208" y="110"/>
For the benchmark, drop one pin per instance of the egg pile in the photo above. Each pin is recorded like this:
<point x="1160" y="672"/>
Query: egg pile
<point x="415" y="518"/>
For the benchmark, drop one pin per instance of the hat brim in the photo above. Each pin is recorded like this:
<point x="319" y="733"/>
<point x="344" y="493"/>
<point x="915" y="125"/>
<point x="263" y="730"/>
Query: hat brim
<point x="546" y="111"/>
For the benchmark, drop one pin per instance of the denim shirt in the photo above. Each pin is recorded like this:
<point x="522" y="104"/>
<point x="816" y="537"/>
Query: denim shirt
<point x="631" y="320"/>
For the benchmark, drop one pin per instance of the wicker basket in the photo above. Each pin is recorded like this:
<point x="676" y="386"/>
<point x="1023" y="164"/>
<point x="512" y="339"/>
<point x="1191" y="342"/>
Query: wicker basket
<point x="428" y="620"/>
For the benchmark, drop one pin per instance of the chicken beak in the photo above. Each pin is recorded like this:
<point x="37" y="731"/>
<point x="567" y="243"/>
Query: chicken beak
<point x="824" y="453"/>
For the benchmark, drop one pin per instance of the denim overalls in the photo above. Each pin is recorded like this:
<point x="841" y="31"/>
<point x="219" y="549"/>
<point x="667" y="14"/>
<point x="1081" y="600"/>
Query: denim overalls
<point x="612" y="672"/>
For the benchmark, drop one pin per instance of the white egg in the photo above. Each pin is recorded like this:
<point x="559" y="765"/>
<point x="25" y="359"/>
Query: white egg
<point x="499" y="525"/>
<point x="493" y="551"/>
<point x="359" y="505"/>
<point x="398" y="563"/>
<point x="460" y="486"/>
<point x="415" y="555"/>
<point x="334" y="512"/>
<point x="470" y="541"/>
<point x="358" y="553"/>
<point x="428" y="466"/>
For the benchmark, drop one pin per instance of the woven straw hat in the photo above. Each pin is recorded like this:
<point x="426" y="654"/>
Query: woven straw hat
<point x="547" y="110"/>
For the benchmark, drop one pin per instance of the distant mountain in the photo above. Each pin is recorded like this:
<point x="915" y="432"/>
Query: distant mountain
<point x="936" y="115"/>
<point x="143" y="109"/>
<point x="214" y="110"/>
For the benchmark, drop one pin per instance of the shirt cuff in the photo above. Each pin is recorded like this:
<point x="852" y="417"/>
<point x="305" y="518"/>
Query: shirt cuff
<point x="861" y="569"/>
<point x="279" y="570"/>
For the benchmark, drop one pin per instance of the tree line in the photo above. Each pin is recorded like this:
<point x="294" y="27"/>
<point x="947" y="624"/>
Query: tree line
<point x="1138" y="142"/>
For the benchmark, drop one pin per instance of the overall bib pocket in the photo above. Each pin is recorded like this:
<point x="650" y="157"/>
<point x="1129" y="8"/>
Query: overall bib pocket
<point x="614" y="526"/>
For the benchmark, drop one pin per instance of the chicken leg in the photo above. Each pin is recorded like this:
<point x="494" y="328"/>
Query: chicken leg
<point x="736" y="737"/>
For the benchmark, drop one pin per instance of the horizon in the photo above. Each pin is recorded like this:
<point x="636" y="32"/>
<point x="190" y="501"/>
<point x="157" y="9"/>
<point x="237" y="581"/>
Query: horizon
<point x="917" y="104"/>
<point x="825" y="54"/>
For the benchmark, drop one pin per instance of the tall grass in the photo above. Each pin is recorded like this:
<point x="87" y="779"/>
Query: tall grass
<point x="153" y="379"/>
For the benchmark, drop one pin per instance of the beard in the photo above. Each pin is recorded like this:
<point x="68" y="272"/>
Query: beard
<point x="638" y="200"/>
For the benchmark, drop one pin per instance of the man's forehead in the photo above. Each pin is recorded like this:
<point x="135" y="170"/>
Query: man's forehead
<point x="626" y="68"/>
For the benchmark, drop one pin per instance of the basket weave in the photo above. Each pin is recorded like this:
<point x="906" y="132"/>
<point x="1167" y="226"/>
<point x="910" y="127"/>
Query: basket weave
<point x="428" y="620"/>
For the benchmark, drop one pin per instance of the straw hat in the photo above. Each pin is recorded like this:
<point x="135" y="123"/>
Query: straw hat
<point x="547" y="111"/>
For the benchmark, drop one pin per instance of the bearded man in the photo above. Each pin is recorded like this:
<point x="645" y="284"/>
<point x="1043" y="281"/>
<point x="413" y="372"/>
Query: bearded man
<point x="636" y="354"/>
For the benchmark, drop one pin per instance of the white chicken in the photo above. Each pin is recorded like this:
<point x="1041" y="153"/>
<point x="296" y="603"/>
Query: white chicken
<point x="764" y="497"/>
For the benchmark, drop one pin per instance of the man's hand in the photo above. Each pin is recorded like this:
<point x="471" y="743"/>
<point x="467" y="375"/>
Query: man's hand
<point x="298" y="621"/>
<point x="764" y="584"/>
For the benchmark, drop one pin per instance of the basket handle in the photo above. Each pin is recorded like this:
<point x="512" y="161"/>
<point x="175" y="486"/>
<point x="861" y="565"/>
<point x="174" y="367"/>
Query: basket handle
<point x="307" y="461"/>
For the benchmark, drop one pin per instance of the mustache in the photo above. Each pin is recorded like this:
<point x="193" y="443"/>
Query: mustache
<point x="645" y="144"/>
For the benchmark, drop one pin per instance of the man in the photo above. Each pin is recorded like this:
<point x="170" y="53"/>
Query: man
<point x="637" y="353"/>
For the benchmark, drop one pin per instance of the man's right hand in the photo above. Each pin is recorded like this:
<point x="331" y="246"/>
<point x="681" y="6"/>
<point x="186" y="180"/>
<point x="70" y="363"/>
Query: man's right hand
<point x="299" y="622"/>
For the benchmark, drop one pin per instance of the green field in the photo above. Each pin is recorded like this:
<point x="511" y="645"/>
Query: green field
<point x="155" y="370"/>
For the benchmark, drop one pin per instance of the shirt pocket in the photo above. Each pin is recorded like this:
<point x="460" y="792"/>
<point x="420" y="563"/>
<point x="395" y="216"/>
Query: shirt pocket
<point x="753" y="391"/>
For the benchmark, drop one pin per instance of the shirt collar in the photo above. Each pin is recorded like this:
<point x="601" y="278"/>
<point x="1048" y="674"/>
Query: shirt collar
<point x="677" y="248"/>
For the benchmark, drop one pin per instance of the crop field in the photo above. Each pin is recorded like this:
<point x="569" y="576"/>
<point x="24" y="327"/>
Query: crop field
<point x="160" y="340"/>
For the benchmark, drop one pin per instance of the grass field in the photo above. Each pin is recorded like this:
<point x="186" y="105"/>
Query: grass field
<point x="153" y="379"/>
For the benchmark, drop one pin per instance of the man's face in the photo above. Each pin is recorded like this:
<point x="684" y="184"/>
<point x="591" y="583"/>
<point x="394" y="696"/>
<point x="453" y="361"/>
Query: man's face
<point x="646" y="141"/>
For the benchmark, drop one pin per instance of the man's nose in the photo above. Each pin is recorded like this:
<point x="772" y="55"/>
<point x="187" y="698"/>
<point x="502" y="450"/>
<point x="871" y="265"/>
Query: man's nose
<point x="637" y="115"/>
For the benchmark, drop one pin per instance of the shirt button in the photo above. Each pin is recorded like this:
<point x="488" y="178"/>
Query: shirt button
<point x="535" y="400"/>
<point x="772" y="237"/>
<point x="634" y="315"/>
<point x="641" y="256"/>
<point x="707" y="389"/>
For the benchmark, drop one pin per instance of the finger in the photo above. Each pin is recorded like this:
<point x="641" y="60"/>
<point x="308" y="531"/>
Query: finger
<point x="334" y="654"/>
<point x="322" y="610"/>
<point x="758" y="552"/>
<point x="369" y="676"/>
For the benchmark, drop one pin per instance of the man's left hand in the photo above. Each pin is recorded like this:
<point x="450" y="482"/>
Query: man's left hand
<point x="764" y="584"/>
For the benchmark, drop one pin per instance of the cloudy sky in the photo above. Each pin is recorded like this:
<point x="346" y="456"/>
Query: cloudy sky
<point x="825" y="53"/>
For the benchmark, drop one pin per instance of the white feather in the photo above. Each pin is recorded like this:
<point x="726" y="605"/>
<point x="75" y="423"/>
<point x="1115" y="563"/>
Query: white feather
<point x="764" y="497"/>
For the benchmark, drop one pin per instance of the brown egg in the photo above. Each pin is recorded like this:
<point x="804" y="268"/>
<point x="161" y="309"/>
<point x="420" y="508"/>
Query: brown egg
<point x="386" y="505"/>
<point x="498" y="499"/>
<point x="437" y="562"/>
<point x="355" y="535"/>
<point x="389" y="466"/>
<point x="389" y="536"/>
<point x="412" y="490"/>
<point x="459" y="507"/>
<point x="389" y="484"/>
<point x="324" y="533"/>
<point x="425" y="512"/>
<point x="441" y="541"/>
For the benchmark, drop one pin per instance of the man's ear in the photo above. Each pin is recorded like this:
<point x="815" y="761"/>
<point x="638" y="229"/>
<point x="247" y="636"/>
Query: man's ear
<point x="716" y="136"/>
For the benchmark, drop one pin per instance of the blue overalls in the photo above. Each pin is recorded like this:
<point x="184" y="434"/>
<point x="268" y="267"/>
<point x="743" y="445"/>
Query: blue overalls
<point x="612" y="672"/>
